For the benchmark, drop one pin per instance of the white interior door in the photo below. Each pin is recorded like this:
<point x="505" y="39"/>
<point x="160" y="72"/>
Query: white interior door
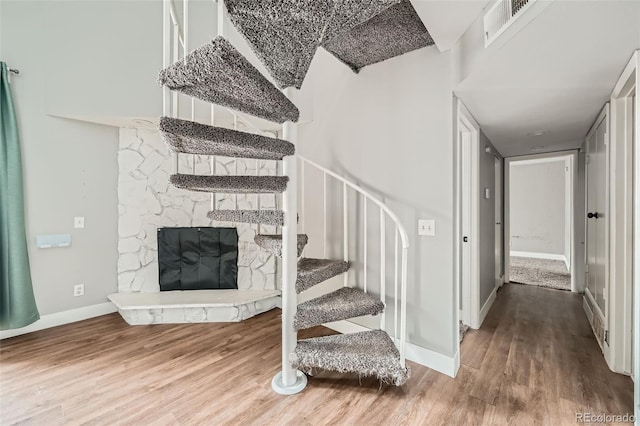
<point x="465" y="302"/>
<point x="468" y="135"/>
<point x="499" y="267"/>
<point x="634" y="233"/>
<point x="596" y="194"/>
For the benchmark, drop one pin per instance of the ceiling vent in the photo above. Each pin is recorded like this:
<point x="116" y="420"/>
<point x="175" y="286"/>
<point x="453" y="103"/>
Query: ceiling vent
<point x="500" y="16"/>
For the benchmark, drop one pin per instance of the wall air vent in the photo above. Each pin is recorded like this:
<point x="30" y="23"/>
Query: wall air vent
<point x="500" y="16"/>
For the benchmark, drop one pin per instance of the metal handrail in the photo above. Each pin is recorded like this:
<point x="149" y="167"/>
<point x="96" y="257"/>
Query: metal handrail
<point x="399" y="315"/>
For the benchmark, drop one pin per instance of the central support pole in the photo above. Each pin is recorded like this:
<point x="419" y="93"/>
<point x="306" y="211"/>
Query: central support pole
<point x="289" y="381"/>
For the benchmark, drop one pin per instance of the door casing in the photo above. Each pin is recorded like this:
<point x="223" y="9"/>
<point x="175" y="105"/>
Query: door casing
<point x="624" y="253"/>
<point x="467" y="263"/>
<point x="571" y="160"/>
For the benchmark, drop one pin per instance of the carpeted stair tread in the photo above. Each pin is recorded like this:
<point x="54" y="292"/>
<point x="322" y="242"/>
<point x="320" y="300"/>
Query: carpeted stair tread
<point x="285" y="35"/>
<point x="196" y="138"/>
<point x="341" y="304"/>
<point x="314" y="271"/>
<point x="216" y="72"/>
<point x="230" y="184"/>
<point x="394" y="32"/>
<point x="367" y="353"/>
<point x="264" y="217"/>
<point x="273" y="243"/>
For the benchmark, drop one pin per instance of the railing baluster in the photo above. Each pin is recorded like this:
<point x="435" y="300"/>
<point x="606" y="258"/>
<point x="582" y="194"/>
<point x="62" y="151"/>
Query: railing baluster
<point x="364" y="228"/>
<point x="175" y="100"/>
<point x="176" y="55"/>
<point x="383" y="267"/>
<point x="235" y="162"/>
<point x="395" y="288"/>
<point x="302" y="201"/>
<point x="345" y="228"/>
<point x="259" y="196"/>
<point x="403" y="307"/>
<point x="324" y="214"/>
<point x="220" y="18"/>
<point x="212" y="159"/>
<point x="166" y="52"/>
<point x="185" y="35"/>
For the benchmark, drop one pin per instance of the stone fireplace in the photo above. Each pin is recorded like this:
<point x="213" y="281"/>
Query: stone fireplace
<point x="147" y="202"/>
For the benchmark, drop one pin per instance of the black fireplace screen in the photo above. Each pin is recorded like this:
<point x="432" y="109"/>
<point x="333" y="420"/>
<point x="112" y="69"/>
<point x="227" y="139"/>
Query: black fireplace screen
<point x="198" y="258"/>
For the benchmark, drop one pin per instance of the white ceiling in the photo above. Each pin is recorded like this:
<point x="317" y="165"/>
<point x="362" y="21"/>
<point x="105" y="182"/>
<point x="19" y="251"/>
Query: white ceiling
<point x="554" y="75"/>
<point x="447" y="20"/>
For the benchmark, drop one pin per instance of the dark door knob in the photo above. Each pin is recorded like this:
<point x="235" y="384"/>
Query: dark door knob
<point x="465" y="239"/>
<point x="592" y="215"/>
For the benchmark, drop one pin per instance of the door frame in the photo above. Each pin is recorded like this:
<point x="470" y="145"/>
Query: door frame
<point x="498" y="172"/>
<point x="468" y="312"/>
<point x="570" y="158"/>
<point x="591" y="300"/>
<point x="624" y="245"/>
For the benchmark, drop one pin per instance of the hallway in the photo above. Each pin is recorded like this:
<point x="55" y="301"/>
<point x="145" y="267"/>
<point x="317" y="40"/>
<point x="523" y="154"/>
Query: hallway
<point x="535" y="359"/>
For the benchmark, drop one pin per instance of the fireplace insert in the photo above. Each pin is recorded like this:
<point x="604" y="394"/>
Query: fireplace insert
<point x="198" y="258"/>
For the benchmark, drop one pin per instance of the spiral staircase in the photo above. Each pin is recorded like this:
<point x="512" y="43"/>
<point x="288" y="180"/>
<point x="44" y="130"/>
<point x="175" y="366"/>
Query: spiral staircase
<point x="285" y="37"/>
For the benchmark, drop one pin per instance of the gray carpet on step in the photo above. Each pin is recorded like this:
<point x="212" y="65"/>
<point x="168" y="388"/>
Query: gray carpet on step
<point x="218" y="73"/>
<point x="264" y="217"/>
<point x="273" y="243"/>
<point x="230" y="184"/>
<point x="196" y="138"/>
<point x="368" y="353"/>
<point x="394" y="32"/>
<point x="464" y="328"/>
<point x="540" y="272"/>
<point x="315" y="271"/>
<point x="285" y="35"/>
<point x="344" y="303"/>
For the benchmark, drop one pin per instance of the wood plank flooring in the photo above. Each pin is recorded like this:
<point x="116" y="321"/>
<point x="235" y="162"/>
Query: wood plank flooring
<point x="534" y="361"/>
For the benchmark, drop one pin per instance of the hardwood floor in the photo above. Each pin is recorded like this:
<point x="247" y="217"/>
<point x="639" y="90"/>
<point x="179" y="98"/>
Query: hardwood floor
<point x="534" y="361"/>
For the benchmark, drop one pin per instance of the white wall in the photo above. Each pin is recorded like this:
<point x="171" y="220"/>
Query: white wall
<point x="537" y="207"/>
<point x="70" y="167"/>
<point x="390" y="129"/>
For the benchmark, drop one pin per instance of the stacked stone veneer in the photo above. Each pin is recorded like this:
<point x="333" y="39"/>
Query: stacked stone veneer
<point x="146" y="202"/>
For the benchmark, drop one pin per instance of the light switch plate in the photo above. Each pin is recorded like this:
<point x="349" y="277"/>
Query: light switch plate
<point x="427" y="227"/>
<point x="78" y="222"/>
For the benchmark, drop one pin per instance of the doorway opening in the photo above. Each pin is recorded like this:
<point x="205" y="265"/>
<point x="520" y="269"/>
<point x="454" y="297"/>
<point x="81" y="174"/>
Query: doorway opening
<point x="539" y="231"/>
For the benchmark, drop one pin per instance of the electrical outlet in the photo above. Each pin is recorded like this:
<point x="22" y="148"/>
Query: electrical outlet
<point x="78" y="290"/>
<point x="78" y="222"/>
<point x="427" y="227"/>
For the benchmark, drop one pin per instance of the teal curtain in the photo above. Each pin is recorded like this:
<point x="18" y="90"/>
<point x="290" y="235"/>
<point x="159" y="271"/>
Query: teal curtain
<point x="17" y="303"/>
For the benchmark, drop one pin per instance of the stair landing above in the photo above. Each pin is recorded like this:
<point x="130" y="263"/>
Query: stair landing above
<point x="193" y="306"/>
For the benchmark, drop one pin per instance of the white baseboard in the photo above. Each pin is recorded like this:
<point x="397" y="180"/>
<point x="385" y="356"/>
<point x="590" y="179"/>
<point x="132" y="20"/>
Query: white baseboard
<point x="423" y="356"/>
<point x="61" y="318"/>
<point x="587" y="310"/>
<point x="535" y="255"/>
<point x="485" y="308"/>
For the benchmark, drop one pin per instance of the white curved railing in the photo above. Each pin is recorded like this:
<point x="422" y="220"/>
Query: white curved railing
<point x="400" y="258"/>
